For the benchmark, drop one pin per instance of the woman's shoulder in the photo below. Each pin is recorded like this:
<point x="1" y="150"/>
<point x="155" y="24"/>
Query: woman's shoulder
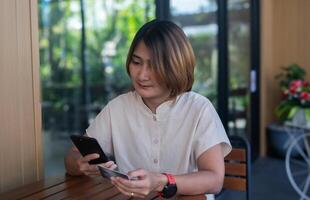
<point x="194" y="98"/>
<point x="124" y="99"/>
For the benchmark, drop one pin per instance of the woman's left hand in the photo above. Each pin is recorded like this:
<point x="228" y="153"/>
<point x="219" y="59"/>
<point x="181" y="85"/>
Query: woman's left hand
<point x="141" y="184"/>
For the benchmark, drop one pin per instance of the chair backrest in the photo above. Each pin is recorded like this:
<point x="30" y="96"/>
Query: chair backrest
<point x="238" y="166"/>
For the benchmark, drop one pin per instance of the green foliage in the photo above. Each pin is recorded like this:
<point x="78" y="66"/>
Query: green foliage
<point x="307" y="114"/>
<point x="109" y="31"/>
<point x="205" y="79"/>
<point x="295" y="91"/>
<point x="290" y="73"/>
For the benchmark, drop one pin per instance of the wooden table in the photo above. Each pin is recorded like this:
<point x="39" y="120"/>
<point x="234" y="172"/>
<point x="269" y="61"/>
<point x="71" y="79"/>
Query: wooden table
<point x="68" y="187"/>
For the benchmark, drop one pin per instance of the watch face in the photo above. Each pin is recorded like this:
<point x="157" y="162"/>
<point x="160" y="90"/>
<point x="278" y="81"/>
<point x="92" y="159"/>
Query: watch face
<point x="169" y="190"/>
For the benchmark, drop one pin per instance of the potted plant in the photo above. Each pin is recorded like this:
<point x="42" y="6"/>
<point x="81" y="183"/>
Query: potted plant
<point x="295" y="104"/>
<point x="294" y="109"/>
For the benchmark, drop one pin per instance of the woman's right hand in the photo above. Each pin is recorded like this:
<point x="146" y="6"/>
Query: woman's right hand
<point x="88" y="169"/>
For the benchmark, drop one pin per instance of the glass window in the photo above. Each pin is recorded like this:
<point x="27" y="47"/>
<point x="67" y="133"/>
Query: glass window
<point x="239" y="65"/>
<point x="198" y="18"/>
<point x="75" y="86"/>
<point x="199" y="22"/>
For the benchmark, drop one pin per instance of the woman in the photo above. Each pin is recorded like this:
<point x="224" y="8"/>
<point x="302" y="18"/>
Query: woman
<point x="164" y="134"/>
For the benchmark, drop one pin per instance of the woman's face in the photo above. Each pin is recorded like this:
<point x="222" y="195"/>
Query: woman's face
<point x="143" y="77"/>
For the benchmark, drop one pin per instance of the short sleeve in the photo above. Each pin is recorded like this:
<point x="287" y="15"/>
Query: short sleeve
<point x="209" y="132"/>
<point x="100" y="128"/>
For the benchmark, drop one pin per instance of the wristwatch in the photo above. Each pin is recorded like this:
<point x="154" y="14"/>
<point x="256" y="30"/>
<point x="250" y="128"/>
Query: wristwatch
<point x="170" y="189"/>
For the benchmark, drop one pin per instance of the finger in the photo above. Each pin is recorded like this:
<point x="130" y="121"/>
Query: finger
<point x="74" y="149"/>
<point x="127" y="192"/>
<point x="91" y="173"/>
<point x="114" y="166"/>
<point x="131" y="184"/>
<point x="90" y="157"/>
<point x="82" y="165"/>
<point x="88" y="169"/>
<point x="131" y="194"/>
<point x="139" y="173"/>
<point x="119" y="185"/>
<point x="135" y="184"/>
<point x="109" y="164"/>
<point x="92" y="168"/>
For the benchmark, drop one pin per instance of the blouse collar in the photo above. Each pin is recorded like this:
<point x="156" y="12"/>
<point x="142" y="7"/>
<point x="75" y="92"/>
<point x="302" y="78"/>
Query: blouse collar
<point x="163" y="111"/>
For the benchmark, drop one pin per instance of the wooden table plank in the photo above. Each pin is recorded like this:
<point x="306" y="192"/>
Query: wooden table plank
<point x="79" y="189"/>
<point x="82" y="187"/>
<point x="32" y="188"/>
<point x="121" y="196"/>
<point x="88" y="194"/>
<point x="58" y="188"/>
<point x="107" y="194"/>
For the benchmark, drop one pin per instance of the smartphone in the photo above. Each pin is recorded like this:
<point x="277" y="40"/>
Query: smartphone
<point x="87" y="145"/>
<point x="108" y="173"/>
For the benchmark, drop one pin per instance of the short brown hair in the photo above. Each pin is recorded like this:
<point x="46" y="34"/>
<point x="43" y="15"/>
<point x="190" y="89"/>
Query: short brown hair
<point x="172" y="56"/>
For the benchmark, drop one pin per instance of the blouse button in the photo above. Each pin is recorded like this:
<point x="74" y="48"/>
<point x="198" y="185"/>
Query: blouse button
<point x="154" y="117"/>
<point x="155" y="161"/>
<point x="155" y="141"/>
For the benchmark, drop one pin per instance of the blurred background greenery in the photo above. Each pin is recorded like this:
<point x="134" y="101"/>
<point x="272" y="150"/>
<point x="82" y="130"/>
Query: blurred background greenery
<point x="83" y="48"/>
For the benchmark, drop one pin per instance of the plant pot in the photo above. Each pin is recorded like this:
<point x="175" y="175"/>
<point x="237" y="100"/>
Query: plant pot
<point x="300" y="119"/>
<point x="280" y="137"/>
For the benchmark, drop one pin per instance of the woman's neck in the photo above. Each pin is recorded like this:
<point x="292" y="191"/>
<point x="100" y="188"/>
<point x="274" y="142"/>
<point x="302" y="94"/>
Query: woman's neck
<point x="153" y="104"/>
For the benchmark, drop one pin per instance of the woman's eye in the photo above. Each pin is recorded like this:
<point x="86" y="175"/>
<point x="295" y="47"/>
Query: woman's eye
<point x="135" y="62"/>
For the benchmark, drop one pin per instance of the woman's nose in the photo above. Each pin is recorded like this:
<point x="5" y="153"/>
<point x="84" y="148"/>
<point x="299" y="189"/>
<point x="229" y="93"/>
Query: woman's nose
<point x="144" y="73"/>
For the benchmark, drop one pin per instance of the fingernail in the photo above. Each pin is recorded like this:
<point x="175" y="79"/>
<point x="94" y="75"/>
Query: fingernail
<point x="135" y="178"/>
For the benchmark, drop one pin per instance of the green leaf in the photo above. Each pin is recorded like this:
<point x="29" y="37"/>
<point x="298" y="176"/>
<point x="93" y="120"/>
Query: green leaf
<point x="307" y="114"/>
<point x="293" y="111"/>
<point x="283" y="110"/>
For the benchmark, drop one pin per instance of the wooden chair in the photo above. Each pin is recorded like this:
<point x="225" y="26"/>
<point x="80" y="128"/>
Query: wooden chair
<point x="238" y="167"/>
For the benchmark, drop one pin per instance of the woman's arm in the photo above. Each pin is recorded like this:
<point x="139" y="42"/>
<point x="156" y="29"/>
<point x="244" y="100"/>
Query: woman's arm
<point x="210" y="175"/>
<point x="208" y="179"/>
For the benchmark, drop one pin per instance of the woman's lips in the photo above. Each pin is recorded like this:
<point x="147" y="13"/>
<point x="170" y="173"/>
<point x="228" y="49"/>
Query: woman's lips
<point x="144" y="86"/>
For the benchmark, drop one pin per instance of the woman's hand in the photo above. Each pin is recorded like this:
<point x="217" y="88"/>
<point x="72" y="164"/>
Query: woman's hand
<point x="87" y="169"/>
<point x="144" y="182"/>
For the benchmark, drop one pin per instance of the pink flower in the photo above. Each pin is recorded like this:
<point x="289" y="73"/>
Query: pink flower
<point x="305" y="84"/>
<point x="305" y="96"/>
<point x="292" y="91"/>
<point x="296" y="85"/>
<point x="297" y="90"/>
<point x="285" y="93"/>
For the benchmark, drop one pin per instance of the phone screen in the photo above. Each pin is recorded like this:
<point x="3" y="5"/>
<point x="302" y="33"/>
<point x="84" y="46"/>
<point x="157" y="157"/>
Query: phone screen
<point x="87" y="145"/>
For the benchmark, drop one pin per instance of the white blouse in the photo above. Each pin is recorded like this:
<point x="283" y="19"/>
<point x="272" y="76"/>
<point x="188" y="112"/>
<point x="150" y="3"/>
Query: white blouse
<point x="169" y="141"/>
